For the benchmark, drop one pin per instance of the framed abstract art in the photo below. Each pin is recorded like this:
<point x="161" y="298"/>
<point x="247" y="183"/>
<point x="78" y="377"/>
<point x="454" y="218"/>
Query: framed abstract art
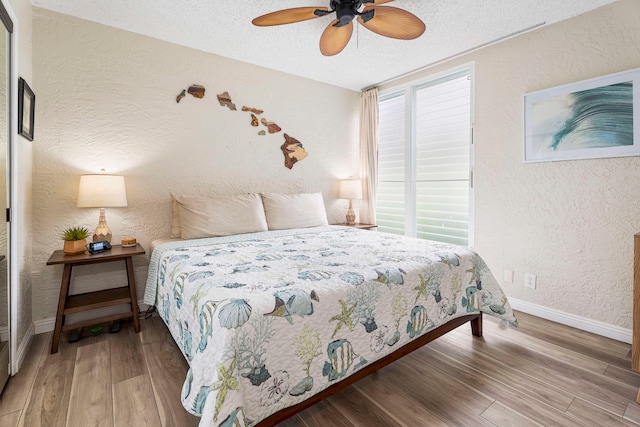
<point x="589" y="119"/>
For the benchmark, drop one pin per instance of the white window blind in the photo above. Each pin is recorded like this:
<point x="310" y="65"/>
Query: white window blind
<point x="390" y="210"/>
<point x="427" y="192"/>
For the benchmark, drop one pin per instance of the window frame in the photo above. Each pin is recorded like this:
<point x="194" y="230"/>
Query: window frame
<point x="409" y="90"/>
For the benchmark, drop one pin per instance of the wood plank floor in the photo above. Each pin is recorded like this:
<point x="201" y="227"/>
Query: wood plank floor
<point x="542" y="374"/>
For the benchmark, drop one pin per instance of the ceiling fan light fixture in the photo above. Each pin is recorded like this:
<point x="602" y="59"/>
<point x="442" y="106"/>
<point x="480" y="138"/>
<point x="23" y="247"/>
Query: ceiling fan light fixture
<point x="345" y="14"/>
<point x="385" y="21"/>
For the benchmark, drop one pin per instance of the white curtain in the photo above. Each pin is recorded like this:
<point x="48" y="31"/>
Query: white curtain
<point x="368" y="154"/>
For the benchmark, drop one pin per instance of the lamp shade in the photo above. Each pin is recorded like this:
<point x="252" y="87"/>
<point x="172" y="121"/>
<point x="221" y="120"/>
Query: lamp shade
<point x="350" y="189"/>
<point x="102" y="191"/>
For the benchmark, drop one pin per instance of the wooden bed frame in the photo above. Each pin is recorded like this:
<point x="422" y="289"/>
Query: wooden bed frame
<point x="476" y="330"/>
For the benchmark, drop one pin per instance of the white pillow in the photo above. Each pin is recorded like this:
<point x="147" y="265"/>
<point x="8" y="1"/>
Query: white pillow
<point x="220" y="216"/>
<point x="284" y="211"/>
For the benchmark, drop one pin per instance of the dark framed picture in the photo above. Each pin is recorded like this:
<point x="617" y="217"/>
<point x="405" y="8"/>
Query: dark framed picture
<point x="26" y="109"/>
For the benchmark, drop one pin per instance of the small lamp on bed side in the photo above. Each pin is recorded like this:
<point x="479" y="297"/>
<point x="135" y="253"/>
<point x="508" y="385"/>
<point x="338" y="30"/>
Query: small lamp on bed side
<point x="350" y="189"/>
<point x="102" y="191"/>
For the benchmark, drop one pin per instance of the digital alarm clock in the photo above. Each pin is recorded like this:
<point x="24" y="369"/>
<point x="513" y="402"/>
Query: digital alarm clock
<point x="96" y="247"/>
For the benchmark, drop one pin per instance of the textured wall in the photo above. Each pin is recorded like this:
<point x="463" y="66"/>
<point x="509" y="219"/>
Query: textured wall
<point x="572" y="222"/>
<point x="106" y="99"/>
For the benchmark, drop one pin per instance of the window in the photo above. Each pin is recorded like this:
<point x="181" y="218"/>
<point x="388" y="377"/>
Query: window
<point x="424" y="160"/>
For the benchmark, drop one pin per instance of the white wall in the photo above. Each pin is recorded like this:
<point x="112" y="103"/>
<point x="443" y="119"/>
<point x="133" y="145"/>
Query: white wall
<point x="23" y="174"/>
<point x="106" y="99"/>
<point x="572" y="222"/>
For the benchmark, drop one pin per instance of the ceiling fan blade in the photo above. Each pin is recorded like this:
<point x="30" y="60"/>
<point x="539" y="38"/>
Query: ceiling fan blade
<point x="288" y="16"/>
<point x="334" y="39"/>
<point x="393" y="22"/>
<point x="380" y="2"/>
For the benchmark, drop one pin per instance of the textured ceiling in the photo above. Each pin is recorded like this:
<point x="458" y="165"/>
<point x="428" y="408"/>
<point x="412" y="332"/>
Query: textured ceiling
<point x="224" y="27"/>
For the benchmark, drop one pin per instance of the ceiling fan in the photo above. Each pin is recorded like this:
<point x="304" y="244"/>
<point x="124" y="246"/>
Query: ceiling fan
<point x="384" y="20"/>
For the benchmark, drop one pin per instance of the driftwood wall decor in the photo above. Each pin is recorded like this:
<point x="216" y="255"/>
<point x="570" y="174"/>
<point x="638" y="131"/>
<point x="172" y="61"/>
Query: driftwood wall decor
<point x="292" y="148"/>
<point x="293" y="151"/>
<point x="271" y="126"/>
<point x="225" y="100"/>
<point x="197" y="91"/>
<point x="180" y="96"/>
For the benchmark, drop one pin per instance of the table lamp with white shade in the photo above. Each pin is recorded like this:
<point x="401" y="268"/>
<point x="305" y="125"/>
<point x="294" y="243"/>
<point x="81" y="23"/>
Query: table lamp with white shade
<point x="102" y="191"/>
<point x="350" y="189"/>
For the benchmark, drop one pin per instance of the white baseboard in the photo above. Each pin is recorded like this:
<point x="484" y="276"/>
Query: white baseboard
<point x="44" y="325"/>
<point x="48" y="324"/>
<point x="23" y="349"/>
<point x="594" y="326"/>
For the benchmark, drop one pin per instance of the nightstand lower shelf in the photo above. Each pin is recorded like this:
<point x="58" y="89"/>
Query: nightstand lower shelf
<point x="97" y="299"/>
<point x="92" y="322"/>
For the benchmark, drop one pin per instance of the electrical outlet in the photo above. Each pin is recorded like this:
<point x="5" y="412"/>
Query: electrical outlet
<point x="529" y="280"/>
<point x="508" y="276"/>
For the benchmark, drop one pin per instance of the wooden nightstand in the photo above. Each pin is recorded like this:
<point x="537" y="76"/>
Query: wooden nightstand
<point x="360" y="225"/>
<point x="68" y="304"/>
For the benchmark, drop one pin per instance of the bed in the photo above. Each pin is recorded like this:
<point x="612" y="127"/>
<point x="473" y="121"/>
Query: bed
<point x="286" y="310"/>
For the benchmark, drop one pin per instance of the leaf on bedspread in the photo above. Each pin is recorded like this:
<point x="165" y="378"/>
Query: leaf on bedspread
<point x="187" y="341"/>
<point x="178" y="288"/>
<point x="200" y="274"/>
<point x="201" y="398"/>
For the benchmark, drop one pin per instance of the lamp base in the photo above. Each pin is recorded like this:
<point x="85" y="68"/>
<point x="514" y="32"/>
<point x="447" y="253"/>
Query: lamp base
<point x="103" y="232"/>
<point x="351" y="215"/>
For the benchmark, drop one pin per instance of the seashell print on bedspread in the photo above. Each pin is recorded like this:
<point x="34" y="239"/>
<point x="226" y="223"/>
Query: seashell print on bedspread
<point x="266" y="320"/>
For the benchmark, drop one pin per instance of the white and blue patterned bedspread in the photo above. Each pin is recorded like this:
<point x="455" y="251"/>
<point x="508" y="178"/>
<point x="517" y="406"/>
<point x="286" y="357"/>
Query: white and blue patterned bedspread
<point x="266" y="320"/>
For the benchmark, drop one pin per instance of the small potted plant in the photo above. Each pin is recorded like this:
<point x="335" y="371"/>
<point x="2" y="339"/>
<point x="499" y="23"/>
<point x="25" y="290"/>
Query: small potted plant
<point x="75" y="240"/>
